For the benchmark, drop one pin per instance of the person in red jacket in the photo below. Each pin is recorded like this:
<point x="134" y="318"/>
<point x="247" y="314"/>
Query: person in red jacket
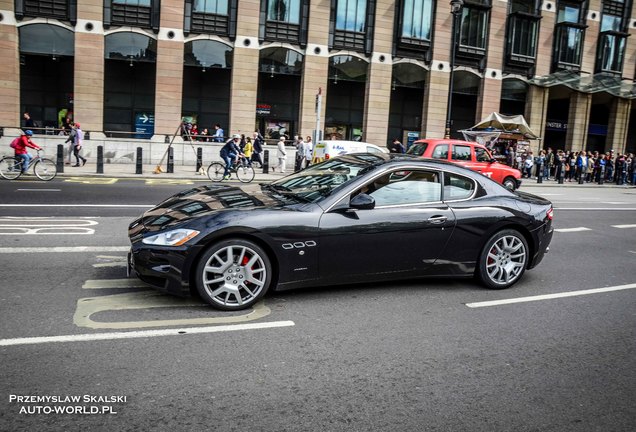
<point x="21" y="149"/>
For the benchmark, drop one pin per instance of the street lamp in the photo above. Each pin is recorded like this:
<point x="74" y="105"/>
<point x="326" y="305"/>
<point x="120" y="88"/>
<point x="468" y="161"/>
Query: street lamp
<point x="456" y="10"/>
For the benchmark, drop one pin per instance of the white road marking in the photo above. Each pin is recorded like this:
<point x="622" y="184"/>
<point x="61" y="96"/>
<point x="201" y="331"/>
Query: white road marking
<point x="50" y="226"/>
<point x="143" y="333"/>
<point x="624" y="226"/>
<point x="550" y="296"/>
<point x="114" y="283"/>
<point x="567" y="230"/>
<point x="78" y="249"/>
<point x="40" y="190"/>
<point x="112" y="264"/>
<point x="81" y="205"/>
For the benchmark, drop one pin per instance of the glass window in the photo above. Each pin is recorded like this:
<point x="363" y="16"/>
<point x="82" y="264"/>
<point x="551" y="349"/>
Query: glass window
<point x="457" y="187"/>
<point x="417" y="18"/>
<point x="440" y="152"/>
<point x="218" y="7"/>
<point x="418" y="149"/>
<point x="133" y="2"/>
<point x="569" y="13"/>
<point x="522" y="6"/>
<point x="611" y="23"/>
<point x="351" y="15"/>
<point x="474" y="27"/>
<point x="461" y="152"/>
<point x="612" y="51"/>
<point x="482" y="155"/>
<point x="523" y="36"/>
<point x="403" y="188"/>
<point x="569" y="40"/>
<point x="46" y="39"/>
<point x="284" y="10"/>
<point x="130" y="46"/>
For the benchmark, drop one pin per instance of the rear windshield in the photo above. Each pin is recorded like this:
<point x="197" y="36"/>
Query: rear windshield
<point x="417" y="149"/>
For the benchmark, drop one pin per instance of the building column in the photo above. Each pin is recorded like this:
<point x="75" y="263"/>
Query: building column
<point x="377" y="102"/>
<point x="244" y="83"/>
<point x="489" y="99"/>
<point x="10" y="114"/>
<point x="169" y="75"/>
<point x="315" y="69"/>
<point x="435" y="101"/>
<point x="578" y="121"/>
<point x="618" y="125"/>
<point x="536" y="114"/>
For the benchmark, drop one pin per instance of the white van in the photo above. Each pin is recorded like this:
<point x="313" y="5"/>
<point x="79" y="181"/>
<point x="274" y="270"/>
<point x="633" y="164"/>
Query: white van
<point x="328" y="149"/>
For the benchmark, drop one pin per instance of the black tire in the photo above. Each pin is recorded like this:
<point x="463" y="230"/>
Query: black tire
<point x="10" y="168"/>
<point x="45" y="169"/>
<point x="233" y="274"/>
<point x="503" y="259"/>
<point x="510" y="183"/>
<point x="215" y="171"/>
<point x="245" y="173"/>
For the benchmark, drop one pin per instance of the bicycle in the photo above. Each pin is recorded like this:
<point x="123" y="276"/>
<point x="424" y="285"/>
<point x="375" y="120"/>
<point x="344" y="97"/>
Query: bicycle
<point x="44" y="169"/>
<point x="243" y="169"/>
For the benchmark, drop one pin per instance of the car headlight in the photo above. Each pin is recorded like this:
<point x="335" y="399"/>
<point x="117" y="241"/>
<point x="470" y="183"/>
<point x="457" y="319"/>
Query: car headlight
<point x="171" y="238"/>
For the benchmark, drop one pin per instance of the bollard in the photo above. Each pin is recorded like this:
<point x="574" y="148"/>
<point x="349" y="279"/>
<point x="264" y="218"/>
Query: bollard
<point x="266" y="162"/>
<point x="601" y="178"/>
<point x="199" y="159"/>
<point x="100" y="159"/>
<point x="59" y="160"/>
<point x="139" y="166"/>
<point x="581" y="176"/>
<point x="170" y="168"/>
<point x="540" y="173"/>
<point x="561" y="173"/>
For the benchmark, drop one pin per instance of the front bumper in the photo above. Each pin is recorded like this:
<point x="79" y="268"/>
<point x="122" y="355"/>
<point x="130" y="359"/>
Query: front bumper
<point x="166" y="269"/>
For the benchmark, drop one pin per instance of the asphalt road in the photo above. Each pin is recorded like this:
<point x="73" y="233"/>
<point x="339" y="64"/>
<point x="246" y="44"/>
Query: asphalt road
<point x="417" y="355"/>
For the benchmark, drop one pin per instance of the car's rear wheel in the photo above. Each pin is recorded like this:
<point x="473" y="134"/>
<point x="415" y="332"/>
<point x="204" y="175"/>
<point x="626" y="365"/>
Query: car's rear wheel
<point x="233" y="274"/>
<point x="503" y="260"/>
<point x="510" y="183"/>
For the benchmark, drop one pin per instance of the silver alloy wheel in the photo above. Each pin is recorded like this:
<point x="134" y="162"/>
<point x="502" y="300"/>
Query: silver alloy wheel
<point x="234" y="276"/>
<point x="506" y="260"/>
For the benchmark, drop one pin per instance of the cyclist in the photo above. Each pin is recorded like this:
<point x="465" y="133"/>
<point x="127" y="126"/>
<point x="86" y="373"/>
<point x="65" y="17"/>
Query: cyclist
<point x="20" y="148"/>
<point x="230" y="153"/>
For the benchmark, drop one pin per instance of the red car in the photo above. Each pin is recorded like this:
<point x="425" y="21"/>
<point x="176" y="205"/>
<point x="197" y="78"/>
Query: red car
<point x="469" y="154"/>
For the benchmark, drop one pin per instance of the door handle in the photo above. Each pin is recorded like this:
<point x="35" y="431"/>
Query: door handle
<point x="437" y="219"/>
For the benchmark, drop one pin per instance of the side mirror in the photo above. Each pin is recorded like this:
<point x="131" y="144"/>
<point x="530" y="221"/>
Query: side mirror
<point x="362" y="202"/>
<point x="492" y="160"/>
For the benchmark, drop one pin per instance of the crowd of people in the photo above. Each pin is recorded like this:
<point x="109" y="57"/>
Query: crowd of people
<point x="573" y="166"/>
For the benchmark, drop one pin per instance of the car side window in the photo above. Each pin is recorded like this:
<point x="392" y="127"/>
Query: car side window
<point x="481" y="154"/>
<point x="461" y="152"/>
<point x="406" y="187"/>
<point x="440" y="152"/>
<point x="457" y="187"/>
<point x="373" y="150"/>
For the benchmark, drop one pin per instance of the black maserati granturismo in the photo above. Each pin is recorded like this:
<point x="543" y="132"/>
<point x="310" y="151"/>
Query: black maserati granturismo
<point x="355" y="218"/>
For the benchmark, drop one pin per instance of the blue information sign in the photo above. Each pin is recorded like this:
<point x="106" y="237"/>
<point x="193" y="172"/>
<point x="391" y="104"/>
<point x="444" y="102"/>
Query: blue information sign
<point x="144" y="125"/>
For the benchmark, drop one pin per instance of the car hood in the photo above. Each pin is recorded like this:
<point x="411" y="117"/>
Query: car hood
<point x="203" y="201"/>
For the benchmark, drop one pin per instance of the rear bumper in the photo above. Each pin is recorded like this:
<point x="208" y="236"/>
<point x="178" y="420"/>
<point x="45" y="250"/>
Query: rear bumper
<point x="544" y="237"/>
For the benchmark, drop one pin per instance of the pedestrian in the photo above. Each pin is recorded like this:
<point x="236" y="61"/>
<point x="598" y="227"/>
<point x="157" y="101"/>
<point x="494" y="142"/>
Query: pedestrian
<point x="528" y="164"/>
<point x="540" y="162"/>
<point x="257" y="143"/>
<point x="77" y="146"/>
<point x="309" y="151"/>
<point x="218" y="133"/>
<point x="28" y="122"/>
<point x="71" y="140"/>
<point x="248" y="150"/>
<point x="281" y="154"/>
<point x="581" y="165"/>
<point x="20" y="148"/>
<point x="299" y="159"/>
<point x="549" y="163"/>
<point x="396" y="146"/>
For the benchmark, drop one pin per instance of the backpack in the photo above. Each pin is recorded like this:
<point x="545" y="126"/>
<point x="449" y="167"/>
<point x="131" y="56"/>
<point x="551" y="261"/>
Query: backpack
<point x="14" y="143"/>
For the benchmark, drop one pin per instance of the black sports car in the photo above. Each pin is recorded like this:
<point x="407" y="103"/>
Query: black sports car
<point x="355" y="218"/>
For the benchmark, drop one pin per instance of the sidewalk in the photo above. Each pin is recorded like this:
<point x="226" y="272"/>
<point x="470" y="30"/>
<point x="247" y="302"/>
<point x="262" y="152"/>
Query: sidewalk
<point x="187" y="172"/>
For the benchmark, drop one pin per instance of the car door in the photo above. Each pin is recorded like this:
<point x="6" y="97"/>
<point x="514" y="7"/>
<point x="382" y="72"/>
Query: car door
<point x="480" y="161"/>
<point x="404" y="233"/>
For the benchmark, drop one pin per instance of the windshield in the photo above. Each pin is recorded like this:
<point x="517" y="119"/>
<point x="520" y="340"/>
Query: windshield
<point x="321" y="180"/>
<point x="418" y="149"/>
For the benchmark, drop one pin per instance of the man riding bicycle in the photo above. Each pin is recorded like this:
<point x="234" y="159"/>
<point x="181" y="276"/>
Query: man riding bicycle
<point x="230" y="153"/>
<point x="20" y="146"/>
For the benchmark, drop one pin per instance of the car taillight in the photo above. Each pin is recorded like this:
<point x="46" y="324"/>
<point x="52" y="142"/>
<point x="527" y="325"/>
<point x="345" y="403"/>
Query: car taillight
<point x="550" y="214"/>
<point x="327" y="156"/>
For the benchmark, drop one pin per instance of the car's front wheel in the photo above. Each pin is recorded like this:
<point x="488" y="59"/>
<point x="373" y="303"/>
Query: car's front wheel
<point x="510" y="183"/>
<point x="503" y="260"/>
<point x="233" y="274"/>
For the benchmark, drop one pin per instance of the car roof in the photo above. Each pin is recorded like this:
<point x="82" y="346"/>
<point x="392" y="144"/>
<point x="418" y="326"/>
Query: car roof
<point x="446" y="141"/>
